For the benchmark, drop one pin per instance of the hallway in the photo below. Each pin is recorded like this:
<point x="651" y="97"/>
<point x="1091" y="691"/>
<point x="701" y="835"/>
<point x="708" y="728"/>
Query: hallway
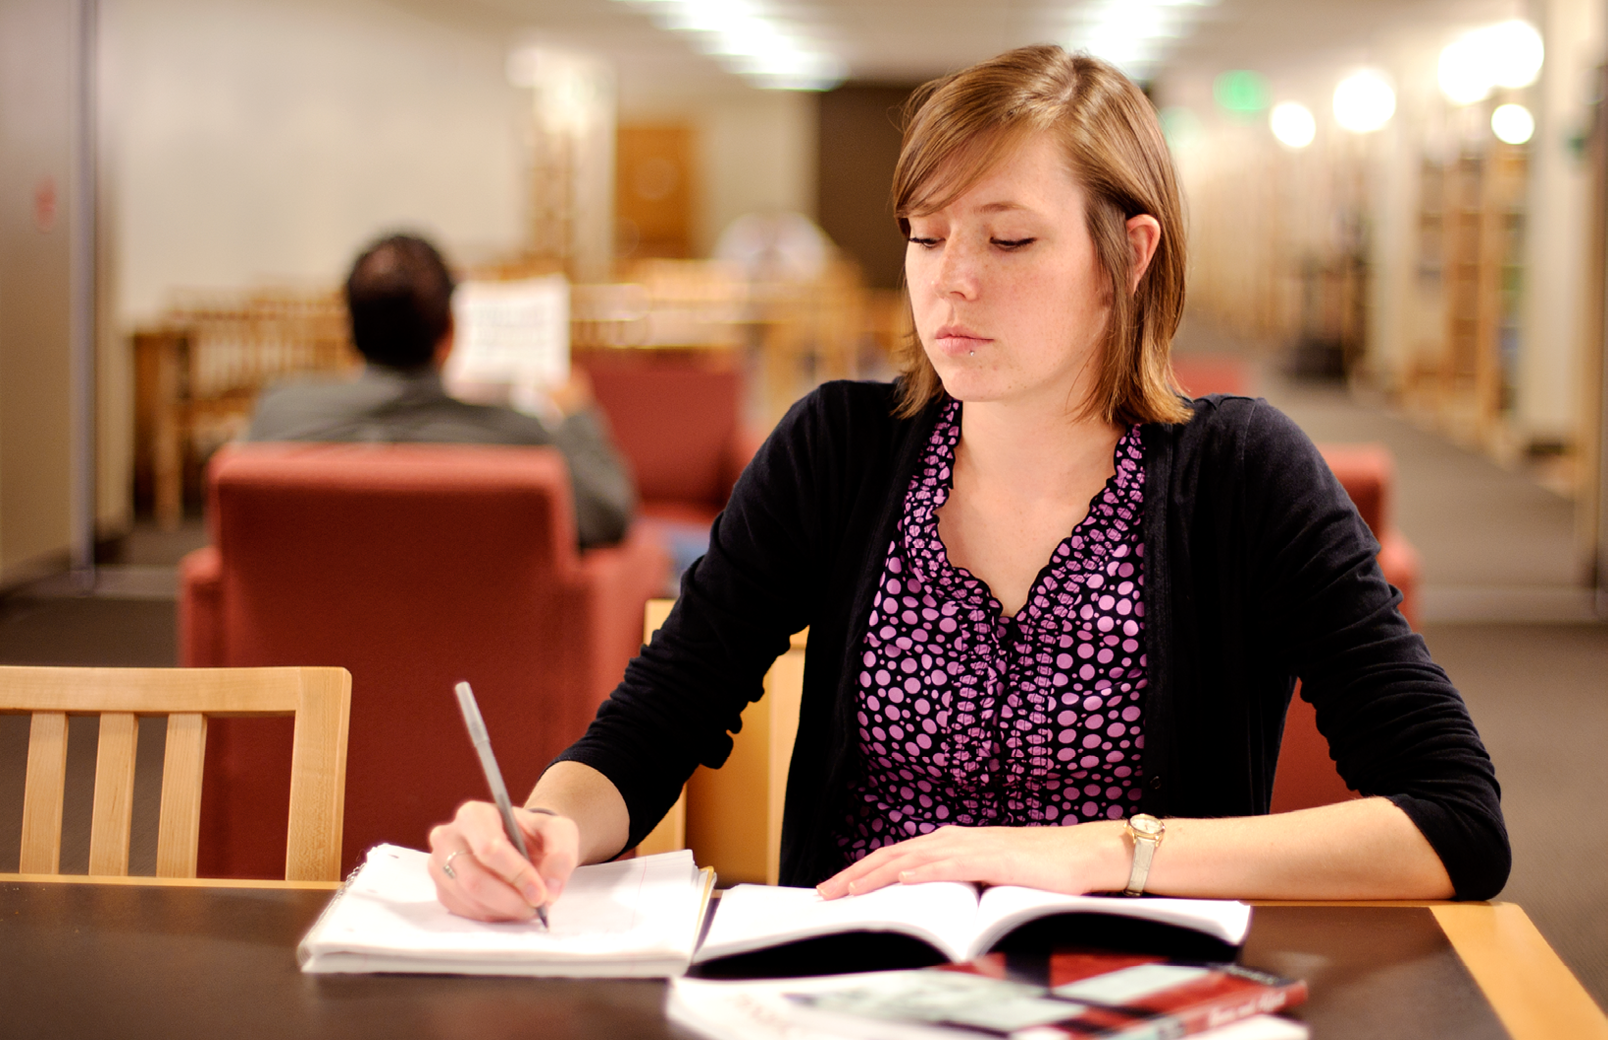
<point x="1496" y="545"/>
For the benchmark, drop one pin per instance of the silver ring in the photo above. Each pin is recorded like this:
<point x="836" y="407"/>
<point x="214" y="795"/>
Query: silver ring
<point x="446" y="868"/>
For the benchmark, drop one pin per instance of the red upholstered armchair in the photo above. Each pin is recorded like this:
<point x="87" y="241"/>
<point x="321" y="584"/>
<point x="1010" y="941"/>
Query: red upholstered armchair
<point x="1368" y="473"/>
<point x="678" y="419"/>
<point x="413" y="566"/>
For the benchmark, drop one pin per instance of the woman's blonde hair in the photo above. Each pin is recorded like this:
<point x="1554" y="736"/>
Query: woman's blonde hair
<point x="958" y="127"/>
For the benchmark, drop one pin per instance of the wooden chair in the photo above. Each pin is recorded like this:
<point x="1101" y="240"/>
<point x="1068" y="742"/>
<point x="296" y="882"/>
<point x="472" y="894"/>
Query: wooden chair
<point x="671" y="832"/>
<point x="319" y="698"/>
<point x="731" y="817"/>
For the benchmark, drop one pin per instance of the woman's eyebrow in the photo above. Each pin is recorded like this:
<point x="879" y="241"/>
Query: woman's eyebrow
<point x="1005" y="207"/>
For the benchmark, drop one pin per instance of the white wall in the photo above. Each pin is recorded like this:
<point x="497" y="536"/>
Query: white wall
<point x="1550" y="364"/>
<point x="1406" y="319"/>
<point x="757" y="152"/>
<point x="268" y="139"/>
<point x="38" y="119"/>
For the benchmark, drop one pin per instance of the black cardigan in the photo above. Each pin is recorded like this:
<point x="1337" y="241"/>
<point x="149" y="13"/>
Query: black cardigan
<point x="1258" y="571"/>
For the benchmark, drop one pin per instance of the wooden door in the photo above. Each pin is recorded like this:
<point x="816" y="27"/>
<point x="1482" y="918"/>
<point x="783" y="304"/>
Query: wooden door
<point x="654" y="190"/>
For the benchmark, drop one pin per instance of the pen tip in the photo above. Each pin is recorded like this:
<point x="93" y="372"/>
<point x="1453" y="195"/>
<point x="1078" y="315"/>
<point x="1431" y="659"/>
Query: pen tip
<point x="541" y="915"/>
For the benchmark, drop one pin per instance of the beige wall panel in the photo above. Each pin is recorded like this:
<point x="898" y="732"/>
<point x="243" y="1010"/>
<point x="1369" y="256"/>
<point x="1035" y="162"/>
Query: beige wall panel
<point x="757" y="155"/>
<point x="270" y="139"/>
<point x="37" y="45"/>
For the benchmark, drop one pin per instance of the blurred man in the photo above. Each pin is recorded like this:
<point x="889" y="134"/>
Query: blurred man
<point x="400" y="297"/>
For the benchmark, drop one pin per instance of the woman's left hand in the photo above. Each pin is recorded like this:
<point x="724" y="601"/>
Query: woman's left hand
<point x="1090" y="857"/>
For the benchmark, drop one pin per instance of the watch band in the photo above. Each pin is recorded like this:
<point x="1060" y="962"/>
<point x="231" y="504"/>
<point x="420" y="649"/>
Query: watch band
<point x="1145" y="832"/>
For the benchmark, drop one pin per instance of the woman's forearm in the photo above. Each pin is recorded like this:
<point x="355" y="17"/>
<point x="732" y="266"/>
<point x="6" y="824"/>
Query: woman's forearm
<point x="1365" y="849"/>
<point x="588" y="797"/>
<point x="1362" y="849"/>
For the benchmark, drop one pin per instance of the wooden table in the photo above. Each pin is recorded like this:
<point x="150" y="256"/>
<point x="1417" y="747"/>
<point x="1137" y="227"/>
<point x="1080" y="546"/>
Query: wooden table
<point x="217" y="960"/>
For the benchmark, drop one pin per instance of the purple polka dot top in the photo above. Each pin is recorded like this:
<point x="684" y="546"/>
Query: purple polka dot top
<point x="969" y="717"/>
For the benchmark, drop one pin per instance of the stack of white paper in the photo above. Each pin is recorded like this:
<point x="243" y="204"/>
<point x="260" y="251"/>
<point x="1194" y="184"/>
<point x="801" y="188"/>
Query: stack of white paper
<point x="639" y="917"/>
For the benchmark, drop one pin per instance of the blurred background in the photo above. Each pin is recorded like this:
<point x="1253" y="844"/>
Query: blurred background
<point x="1401" y="199"/>
<point x="1396" y="210"/>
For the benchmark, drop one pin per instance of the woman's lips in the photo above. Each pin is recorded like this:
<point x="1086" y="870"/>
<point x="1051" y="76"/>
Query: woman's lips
<point x="958" y="340"/>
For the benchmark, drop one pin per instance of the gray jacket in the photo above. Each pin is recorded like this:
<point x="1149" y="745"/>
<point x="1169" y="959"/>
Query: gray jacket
<point x="391" y="405"/>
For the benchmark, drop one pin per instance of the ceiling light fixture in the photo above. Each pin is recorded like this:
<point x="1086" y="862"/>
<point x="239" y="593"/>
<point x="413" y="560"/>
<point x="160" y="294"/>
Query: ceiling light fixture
<point x="1507" y="54"/>
<point x="1512" y="124"/>
<point x="1293" y="124"/>
<point x="1134" y="35"/>
<point x="1364" y="102"/>
<point x="746" y="38"/>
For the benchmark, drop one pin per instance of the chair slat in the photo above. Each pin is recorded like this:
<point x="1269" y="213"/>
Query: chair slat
<point x="318" y="776"/>
<point x="43" y="793"/>
<point x="113" y="816"/>
<point x="179" y="830"/>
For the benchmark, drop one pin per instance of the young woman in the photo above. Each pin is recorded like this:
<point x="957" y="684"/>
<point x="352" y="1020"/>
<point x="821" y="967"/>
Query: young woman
<point x="1056" y="610"/>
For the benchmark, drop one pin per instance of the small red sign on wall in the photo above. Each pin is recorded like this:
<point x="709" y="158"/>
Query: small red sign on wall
<point x="45" y="204"/>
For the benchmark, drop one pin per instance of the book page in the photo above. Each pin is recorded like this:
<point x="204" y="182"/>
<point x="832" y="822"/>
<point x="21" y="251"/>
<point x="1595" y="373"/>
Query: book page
<point x="513" y="334"/>
<point x="647" y="906"/>
<point x="1006" y="907"/>
<point x="752" y="917"/>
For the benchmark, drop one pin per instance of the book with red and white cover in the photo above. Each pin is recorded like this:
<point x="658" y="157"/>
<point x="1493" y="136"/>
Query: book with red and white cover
<point x="1066" y="996"/>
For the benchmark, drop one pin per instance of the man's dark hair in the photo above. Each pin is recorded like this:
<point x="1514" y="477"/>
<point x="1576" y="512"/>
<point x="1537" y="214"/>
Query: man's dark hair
<point x="400" y="297"/>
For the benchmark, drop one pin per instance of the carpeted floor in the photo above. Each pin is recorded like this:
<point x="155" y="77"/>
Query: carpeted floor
<point x="1539" y="695"/>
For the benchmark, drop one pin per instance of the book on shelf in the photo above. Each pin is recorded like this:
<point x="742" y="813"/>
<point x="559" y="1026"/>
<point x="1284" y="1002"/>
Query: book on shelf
<point x="953" y="921"/>
<point x="1065" y="997"/>
<point x="636" y="917"/>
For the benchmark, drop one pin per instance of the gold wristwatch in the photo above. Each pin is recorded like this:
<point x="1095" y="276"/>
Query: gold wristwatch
<point x="1145" y="831"/>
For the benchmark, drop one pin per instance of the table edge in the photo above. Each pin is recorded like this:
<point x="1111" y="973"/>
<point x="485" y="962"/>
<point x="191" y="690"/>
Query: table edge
<point x="1533" y="992"/>
<point x="164" y="882"/>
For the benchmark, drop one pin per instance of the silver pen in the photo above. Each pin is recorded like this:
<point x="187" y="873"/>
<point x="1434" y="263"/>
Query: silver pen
<point x="488" y="763"/>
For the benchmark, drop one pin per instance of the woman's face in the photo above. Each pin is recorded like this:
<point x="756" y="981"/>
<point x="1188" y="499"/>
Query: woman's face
<point x="1009" y="299"/>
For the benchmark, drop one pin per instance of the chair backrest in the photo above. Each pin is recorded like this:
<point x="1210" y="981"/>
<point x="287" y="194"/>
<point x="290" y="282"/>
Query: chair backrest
<point x="676" y="419"/>
<point x="318" y="698"/>
<point x="1202" y="374"/>
<point x="731" y="817"/>
<point x="1368" y="473"/>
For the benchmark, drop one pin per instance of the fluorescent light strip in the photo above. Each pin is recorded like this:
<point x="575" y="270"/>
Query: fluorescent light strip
<point x="744" y="38"/>
<point x="1134" y="35"/>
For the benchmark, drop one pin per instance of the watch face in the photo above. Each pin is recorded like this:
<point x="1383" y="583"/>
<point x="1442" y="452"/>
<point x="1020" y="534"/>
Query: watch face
<point x="1146" y="824"/>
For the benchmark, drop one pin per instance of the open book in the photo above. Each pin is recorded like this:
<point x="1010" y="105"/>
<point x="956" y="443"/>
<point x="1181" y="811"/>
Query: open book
<point x="638" y="917"/>
<point x="950" y="916"/>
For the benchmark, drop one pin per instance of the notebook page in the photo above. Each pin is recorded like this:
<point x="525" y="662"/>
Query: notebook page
<point x="642" y="907"/>
<point x="751" y="917"/>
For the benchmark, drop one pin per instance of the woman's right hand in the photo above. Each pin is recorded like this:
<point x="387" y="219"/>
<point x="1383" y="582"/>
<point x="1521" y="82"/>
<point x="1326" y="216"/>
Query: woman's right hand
<point x="489" y="880"/>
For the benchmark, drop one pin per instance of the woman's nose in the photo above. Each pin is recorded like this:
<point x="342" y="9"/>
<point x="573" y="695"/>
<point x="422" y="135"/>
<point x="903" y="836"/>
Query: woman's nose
<point x="956" y="273"/>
